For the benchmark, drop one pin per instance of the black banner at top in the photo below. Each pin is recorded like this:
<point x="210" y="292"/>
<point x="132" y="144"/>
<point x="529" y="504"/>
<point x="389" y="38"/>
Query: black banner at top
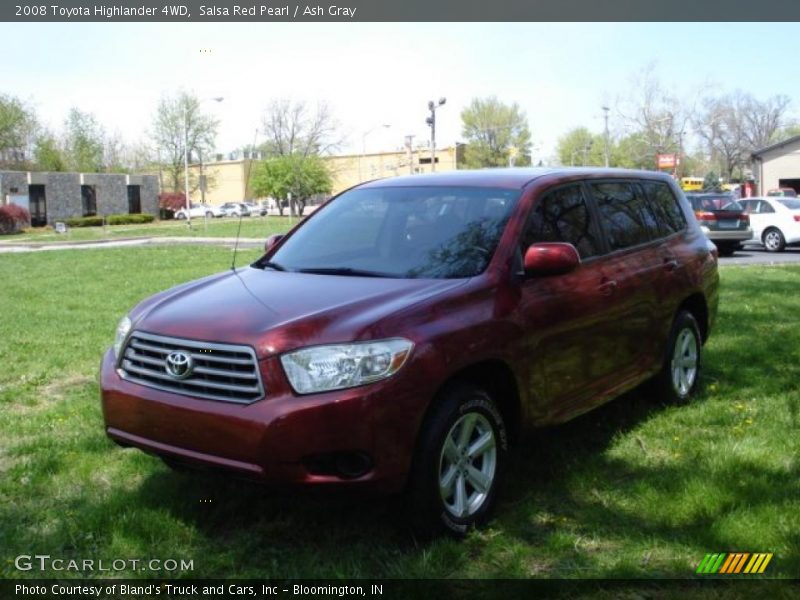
<point x="399" y="10"/>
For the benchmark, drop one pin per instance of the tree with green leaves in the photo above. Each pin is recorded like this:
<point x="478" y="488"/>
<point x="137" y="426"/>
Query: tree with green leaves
<point x="48" y="154"/>
<point x="17" y="128"/>
<point x="84" y="140"/>
<point x="580" y="146"/>
<point x="497" y="134"/>
<point x="301" y="176"/>
<point x="179" y="122"/>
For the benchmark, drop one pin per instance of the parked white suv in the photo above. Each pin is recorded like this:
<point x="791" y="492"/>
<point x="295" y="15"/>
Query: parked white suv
<point x="198" y="211"/>
<point x="775" y="221"/>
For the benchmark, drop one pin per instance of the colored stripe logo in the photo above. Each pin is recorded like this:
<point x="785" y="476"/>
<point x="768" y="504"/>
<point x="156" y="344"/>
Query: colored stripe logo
<point x="734" y="563"/>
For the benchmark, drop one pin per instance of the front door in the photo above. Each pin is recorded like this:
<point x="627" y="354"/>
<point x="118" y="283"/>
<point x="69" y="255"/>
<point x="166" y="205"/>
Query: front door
<point x="572" y="339"/>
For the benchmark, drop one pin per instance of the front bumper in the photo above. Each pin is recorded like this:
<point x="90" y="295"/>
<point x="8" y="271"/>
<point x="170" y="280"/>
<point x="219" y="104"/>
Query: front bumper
<point x="275" y="439"/>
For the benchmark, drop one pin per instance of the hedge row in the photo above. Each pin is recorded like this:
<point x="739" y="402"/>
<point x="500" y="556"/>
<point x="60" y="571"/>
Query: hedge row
<point x="110" y="220"/>
<point x="13" y="219"/>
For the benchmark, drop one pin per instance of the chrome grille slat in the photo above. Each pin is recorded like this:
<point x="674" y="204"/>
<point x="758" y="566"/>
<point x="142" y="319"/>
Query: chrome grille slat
<point x="144" y="362"/>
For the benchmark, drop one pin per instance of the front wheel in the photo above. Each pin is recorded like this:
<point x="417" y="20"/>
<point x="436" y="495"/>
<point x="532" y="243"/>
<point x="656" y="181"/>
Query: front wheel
<point x="458" y="464"/>
<point x="680" y="372"/>
<point x="180" y="216"/>
<point x="773" y="240"/>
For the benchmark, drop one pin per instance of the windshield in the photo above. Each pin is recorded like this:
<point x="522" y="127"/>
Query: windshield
<point x="404" y="232"/>
<point x="791" y="204"/>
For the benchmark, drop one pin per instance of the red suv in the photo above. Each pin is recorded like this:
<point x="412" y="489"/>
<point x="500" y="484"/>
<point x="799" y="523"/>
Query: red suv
<point x="403" y="335"/>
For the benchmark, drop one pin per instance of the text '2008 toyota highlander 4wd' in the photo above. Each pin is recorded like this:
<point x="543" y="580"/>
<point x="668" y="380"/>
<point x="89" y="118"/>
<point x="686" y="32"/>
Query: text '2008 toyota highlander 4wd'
<point x="401" y="336"/>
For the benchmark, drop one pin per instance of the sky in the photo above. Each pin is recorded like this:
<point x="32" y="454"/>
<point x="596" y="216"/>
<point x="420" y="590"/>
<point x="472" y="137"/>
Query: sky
<point x="372" y="74"/>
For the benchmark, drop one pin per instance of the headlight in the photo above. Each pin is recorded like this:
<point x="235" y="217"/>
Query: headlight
<point x="325" y="368"/>
<point x="123" y="329"/>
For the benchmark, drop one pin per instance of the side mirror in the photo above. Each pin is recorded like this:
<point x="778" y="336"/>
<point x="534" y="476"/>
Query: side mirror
<point x="272" y="241"/>
<point x="551" y="258"/>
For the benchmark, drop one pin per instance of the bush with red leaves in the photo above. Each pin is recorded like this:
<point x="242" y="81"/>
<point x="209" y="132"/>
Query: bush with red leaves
<point x="172" y="200"/>
<point x="13" y="219"/>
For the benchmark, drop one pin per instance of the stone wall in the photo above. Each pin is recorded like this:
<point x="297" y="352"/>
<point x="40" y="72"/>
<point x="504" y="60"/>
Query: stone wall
<point x="63" y="191"/>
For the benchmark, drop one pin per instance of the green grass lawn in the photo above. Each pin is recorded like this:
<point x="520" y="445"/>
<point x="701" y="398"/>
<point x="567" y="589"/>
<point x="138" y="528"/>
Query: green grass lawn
<point x="252" y="227"/>
<point x="634" y="489"/>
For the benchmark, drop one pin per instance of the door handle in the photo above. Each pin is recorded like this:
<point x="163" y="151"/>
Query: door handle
<point x="670" y="264"/>
<point x="608" y="287"/>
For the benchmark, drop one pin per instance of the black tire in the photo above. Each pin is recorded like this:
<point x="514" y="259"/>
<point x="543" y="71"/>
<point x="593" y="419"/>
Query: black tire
<point x="430" y="511"/>
<point x="180" y="216"/>
<point x="209" y="215"/>
<point x="773" y="240"/>
<point x="677" y="387"/>
<point x="727" y="249"/>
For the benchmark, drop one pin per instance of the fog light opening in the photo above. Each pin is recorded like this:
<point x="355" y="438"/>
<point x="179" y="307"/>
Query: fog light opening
<point x="345" y="465"/>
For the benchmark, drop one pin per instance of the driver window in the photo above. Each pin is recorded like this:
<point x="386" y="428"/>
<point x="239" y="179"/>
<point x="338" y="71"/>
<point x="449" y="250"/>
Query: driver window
<point x="562" y="216"/>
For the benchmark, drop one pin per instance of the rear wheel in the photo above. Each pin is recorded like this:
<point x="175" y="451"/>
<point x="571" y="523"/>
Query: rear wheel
<point x="727" y="249"/>
<point x="459" y="463"/>
<point x="181" y="216"/>
<point x="773" y="240"/>
<point x="681" y="369"/>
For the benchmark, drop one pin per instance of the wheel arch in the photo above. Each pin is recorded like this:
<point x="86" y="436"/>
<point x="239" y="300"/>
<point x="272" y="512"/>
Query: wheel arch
<point x="696" y="304"/>
<point x="497" y="378"/>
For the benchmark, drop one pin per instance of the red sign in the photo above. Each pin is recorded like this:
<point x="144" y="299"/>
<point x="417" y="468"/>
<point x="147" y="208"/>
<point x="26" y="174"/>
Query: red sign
<point x="666" y="161"/>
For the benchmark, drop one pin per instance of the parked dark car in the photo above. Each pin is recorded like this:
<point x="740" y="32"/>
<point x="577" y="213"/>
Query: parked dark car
<point x="723" y="219"/>
<point x="402" y="336"/>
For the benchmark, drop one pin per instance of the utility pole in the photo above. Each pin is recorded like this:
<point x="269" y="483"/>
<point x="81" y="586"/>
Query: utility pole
<point x="409" y="148"/>
<point x="605" y="117"/>
<point x="432" y="122"/>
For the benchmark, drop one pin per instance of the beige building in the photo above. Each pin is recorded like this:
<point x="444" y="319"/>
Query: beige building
<point x="777" y="166"/>
<point x="350" y="169"/>
<point x="227" y="180"/>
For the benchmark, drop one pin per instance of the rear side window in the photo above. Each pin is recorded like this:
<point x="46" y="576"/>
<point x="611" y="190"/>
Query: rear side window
<point x="625" y="214"/>
<point x="665" y="206"/>
<point x="563" y="216"/>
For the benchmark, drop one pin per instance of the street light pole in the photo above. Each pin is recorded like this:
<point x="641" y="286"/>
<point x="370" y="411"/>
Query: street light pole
<point x="605" y="117"/>
<point x="186" y="155"/>
<point x="432" y="122"/>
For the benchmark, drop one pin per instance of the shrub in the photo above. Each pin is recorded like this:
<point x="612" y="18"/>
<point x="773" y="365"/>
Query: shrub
<point x="129" y="219"/>
<point x="84" y="221"/>
<point x="13" y="219"/>
<point x="110" y="220"/>
<point x="172" y="200"/>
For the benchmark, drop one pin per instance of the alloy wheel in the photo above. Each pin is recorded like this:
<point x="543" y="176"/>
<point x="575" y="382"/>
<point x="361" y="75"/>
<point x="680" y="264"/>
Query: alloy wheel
<point x="684" y="362"/>
<point x="467" y="465"/>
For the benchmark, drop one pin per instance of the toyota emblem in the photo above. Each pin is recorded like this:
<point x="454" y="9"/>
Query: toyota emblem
<point x="179" y="365"/>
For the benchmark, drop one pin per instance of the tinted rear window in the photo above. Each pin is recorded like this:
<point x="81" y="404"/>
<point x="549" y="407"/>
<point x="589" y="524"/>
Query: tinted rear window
<point x="792" y="204"/>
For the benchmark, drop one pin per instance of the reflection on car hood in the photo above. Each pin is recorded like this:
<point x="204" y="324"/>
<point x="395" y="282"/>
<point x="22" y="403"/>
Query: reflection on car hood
<point x="277" y="311"/>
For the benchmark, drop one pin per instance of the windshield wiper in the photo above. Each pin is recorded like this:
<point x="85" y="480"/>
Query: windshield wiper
<point x="344" y="271"/>
<point x="272" y="265"/>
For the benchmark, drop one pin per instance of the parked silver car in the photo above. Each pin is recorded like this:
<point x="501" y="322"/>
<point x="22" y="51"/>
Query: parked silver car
<point x="235" y="209"/>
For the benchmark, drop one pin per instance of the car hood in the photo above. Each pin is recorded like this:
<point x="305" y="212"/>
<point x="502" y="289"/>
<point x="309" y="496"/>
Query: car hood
<point x="277" y="311"/>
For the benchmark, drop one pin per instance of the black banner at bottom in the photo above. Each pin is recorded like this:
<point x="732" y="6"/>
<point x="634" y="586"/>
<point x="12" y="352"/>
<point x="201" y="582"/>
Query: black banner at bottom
<point x="390" y="589"/>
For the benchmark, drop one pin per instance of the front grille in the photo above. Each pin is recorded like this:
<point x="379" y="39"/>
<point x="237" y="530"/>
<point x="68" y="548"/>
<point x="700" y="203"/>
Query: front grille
<point x="220" y="371"/>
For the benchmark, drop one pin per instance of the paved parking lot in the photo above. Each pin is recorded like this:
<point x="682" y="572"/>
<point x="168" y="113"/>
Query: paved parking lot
<point x="755" y="255"/>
